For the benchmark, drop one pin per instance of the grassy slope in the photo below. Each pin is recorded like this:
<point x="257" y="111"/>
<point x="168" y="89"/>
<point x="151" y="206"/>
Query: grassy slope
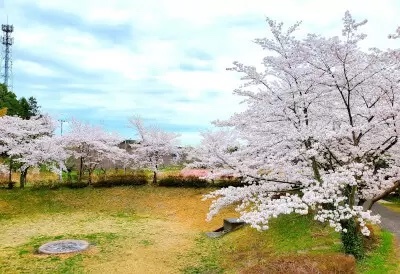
<point x="383" y="259"/>
<point x="158" y="230"/>
<point x="395" y="203"/>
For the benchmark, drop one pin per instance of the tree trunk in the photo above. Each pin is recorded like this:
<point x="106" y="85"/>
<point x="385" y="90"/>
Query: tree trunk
<point x="80" y="169"/>
<point x="10" y="173"/>
<point x="91" y="169"/>
<point x="396" y="185"/>
<point x="90" y="176"/>
<point x="317" y="175"/>
<point x="60" y="177"/>
<point x="361" y="202"/>
<point x="352" y="239"/>
<point x="154" y="178"/>
<point x="154" y="183"/>
<point x="22" y="178"/>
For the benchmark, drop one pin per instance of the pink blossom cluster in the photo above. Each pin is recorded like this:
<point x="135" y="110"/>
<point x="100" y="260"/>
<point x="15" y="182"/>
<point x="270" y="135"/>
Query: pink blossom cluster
<point x="31" y="142"/>
<point x="194" y="172"/>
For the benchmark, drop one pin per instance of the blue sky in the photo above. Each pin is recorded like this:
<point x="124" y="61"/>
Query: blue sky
<point x="103" y="61"/>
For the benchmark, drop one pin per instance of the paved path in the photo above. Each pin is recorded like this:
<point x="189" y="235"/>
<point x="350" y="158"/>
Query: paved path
<point x="389" y="219"/>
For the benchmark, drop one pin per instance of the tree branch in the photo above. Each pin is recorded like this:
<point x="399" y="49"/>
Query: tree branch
<point x="383" y="194"/>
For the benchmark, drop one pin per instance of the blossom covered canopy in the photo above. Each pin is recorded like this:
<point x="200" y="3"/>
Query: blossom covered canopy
<point x="320" y="132"/>
<point x="31" y="142"/>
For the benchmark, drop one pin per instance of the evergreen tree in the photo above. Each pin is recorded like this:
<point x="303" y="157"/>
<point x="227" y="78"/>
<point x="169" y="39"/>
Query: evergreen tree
<point x="9" y="100"/>
<point x="23" y="108"/>
<point x="33" y="106"/>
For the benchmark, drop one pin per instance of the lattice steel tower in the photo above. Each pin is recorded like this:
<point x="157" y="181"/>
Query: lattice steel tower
<point x="7" y="42"/>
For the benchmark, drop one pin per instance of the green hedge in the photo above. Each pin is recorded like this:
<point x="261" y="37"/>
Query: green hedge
<point x="7" y="184"/>
<point x="180" y="181"/>
<point x="75" y="185"/>
<point x="226" y="182"/>
<point x="196" y="182"/>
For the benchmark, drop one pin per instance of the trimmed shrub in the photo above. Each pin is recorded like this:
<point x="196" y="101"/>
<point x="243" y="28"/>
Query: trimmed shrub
<point x="75" y="185"/>
<point x="171" y="181"/>
<point x="196" y="182"/>
<point x="46" y="184"/>
<point x="7" y="184"/>
<point x="55" y="184"/>
<point x="227" y="182"/>
<point x="136" y="179"/>
<point x="181" y="181"/>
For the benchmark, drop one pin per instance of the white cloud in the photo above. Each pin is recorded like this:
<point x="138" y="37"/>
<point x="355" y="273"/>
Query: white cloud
<point x="33" y="68"/>
<point x="127" y="78"/>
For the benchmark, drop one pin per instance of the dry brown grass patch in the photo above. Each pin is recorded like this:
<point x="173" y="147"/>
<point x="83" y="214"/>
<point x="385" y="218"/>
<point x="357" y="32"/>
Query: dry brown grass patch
<point x="306" y="264"/>
<point x="372" y="241"/>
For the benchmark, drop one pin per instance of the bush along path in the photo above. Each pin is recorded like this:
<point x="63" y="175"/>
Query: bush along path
<point x="390" y="219"/>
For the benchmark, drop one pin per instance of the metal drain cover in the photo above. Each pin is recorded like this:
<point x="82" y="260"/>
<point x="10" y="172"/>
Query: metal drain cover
<point x="63" y="246"/>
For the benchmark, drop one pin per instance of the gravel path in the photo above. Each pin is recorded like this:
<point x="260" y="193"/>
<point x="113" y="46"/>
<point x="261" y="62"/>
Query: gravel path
<point x="389" y="219"/>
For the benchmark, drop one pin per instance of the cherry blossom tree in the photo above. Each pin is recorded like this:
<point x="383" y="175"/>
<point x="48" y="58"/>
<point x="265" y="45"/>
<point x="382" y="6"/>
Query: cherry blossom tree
<point x="154" y="146"/>
<point x="47" y="150"/>
<point x="319" y="135"/>
<point x="91" y="145"/>
<point x="127" y="159"/>
<point x="30" y="143"/>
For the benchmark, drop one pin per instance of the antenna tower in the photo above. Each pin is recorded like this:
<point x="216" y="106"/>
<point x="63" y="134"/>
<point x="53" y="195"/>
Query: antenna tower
<point x="7" y="42"/>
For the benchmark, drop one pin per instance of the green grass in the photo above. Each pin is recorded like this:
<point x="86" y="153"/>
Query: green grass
<point x="27" y="201"/>
<point x="395" y="203"/>
<point x="206" y="256"/>
<point x="289" y="234"/>
<point x="394" y="199"/>
<point x="382" y="259"/>
<point x="394" y="207"/>
<point x="146" y="242"/>
<point x="27" y="260"/>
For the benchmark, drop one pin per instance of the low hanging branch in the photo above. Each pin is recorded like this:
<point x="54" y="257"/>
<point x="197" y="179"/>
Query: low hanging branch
<point x="384" y="194"/>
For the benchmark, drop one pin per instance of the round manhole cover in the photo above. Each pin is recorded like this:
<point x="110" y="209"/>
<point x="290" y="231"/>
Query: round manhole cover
<point x="63" y="246"/>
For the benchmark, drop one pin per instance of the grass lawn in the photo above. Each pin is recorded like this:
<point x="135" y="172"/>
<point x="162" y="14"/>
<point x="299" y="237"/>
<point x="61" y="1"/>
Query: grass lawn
<point x="384" y="258"/>
<point x="394" y="203"/>
<point x="161" y="230"/>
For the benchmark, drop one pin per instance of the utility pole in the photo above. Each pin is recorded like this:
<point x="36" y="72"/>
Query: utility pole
<point x="125" y="152"/>
<point x="61" y="131"/>
<point x="7" y="42"/>
<point x="61" y="127"/>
